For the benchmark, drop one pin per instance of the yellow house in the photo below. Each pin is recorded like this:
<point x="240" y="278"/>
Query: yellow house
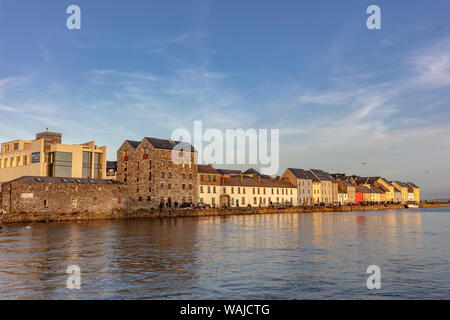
<point x="416" y="191"/>
<point x="403" y="189"/>
<point x="316" y="191"/>
<point x="46" y="156"/>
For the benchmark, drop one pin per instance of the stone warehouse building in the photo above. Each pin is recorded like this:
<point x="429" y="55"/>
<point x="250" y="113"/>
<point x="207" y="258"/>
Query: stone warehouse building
<point x="55" y="196"/>
<point x="147" y="167"/>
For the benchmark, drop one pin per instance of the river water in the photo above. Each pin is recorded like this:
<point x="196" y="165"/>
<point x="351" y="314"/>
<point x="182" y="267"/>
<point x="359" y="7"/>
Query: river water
<point x="280" y="256"/>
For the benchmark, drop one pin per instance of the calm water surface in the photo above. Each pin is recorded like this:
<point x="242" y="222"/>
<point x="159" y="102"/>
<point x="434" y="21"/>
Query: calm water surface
<point x="283" y="256"/>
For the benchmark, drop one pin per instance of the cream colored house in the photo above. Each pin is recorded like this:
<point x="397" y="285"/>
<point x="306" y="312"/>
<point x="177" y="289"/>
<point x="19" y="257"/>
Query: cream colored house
<point x="328" y="187"/>
<point x="303" y="179"/>
<point x="243" y="190"/>
<point x="342" y="196"/>
<point x="46" y="156"/>
<point x="209" y="185"/>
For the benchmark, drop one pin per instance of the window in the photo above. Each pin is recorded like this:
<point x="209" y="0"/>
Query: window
<point x="145" y="153"/>
<point x="125" y="156"/>
<point x="209" y="178"/>
<point x="169" y="163"/>
<point x="201" y="189"/>
<point x="214" y="189"/>
<point x="243" y="200"/>
<point x="60" y="164"/>
<point x="162" y="174"/>
<point x="183" y="186"/>
<point x="169" y="175"/>
<point x="201" y="177"/>
<point x="149" y="176"/>
<point x="254" y="200"/>
<point x="209" y="189"/>
<point x="45" y="203"/>
<point x="74" y="203"/>
<point x="161" y="186"/>
<point x="16" y="146"/>
<point x="214" y="178"/>
<point x="162" y="154"/>
<point x="190" y="176"/>
<point x="190" y="186"/>
<point x="169" y="186"/>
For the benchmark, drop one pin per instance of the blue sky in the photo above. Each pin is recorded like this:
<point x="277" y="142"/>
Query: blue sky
<point x="340" y="94"/>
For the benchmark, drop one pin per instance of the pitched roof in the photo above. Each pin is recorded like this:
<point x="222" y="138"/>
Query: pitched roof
<point x="363" y="189"/>
<point x="204" y="168"/>
<point x="230" y="172"/>
<point x="134" y="144"/>
<point x="412" y="185"/>
<point x="252" y="171"/>
<point x="401" y="184"/>
<point x="377" y="189"/>
<point x="64" y="180"/>
<point x="302" y="174"/>
<point x="248" y="181"/>
<point x="169" y="144"/>
<point x="322" y="175"/>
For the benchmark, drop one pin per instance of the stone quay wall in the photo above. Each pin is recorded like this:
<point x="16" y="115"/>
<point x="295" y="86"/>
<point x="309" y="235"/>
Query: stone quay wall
<point x="127" y="212"/>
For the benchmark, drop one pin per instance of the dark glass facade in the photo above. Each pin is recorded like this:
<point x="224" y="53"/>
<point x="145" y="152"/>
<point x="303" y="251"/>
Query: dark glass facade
<point x="87" y="156"/>
<point x="60" y="164"/>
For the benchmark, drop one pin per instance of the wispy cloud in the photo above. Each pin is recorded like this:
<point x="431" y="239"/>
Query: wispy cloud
<point x="433" y="65"/>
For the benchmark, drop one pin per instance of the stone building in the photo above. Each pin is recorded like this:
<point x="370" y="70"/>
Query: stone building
<point x="153" y="177"/>
<point x="55" y="196"/>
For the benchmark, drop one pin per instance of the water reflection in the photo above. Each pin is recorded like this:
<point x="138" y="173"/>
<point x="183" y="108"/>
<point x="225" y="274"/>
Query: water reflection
<point x="282" y="256"/>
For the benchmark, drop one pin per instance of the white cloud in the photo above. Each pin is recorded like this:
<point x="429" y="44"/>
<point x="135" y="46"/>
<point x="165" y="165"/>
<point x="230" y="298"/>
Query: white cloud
<point x="433" y="65"/>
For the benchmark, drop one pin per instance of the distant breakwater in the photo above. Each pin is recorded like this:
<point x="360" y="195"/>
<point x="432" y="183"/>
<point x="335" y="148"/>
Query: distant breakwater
<point x="27" y="217"/>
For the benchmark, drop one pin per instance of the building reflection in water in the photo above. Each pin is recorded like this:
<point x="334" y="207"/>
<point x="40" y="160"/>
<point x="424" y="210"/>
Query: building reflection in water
<point x="205" y="257"/>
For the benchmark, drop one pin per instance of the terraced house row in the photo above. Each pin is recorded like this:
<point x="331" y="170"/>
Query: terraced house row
<point x="150" y="176"/>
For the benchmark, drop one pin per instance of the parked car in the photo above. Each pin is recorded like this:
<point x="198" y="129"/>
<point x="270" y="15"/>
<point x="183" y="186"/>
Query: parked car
<point x="337" y="204"/>
<point x="289" y="204"/>
<point x="186" y="205"/>
<point x="278" y="205"/>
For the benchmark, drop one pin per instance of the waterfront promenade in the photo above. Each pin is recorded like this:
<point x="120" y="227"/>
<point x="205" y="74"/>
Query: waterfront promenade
<point x="132" y="213"/>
